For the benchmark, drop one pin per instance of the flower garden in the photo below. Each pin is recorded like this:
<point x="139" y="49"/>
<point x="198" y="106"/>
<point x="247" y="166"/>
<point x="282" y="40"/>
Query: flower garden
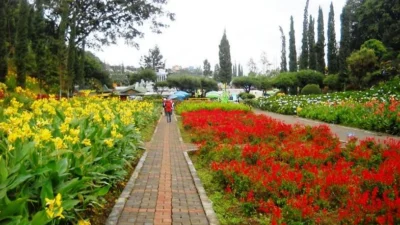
<point x="58" y="159"/>
<point x="377" y="109"/>
<point x="293" y="174"/>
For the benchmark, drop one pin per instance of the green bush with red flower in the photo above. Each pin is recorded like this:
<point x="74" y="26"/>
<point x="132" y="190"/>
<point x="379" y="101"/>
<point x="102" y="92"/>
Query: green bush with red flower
<point x="298" y="174"/>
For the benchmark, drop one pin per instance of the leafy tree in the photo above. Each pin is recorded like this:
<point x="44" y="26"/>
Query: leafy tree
<point x="377" y="46"/>
<point x="284" y="81"/>
<point x="264" y="83"/>
<point x="292" y="48"/>
<point x="360" y="63"/>
<point x="252" y="66"/>
<point x="332" y="81"/>
<point x="216" y="72"/>
<point x="3" y="42"/>
<point x="283" y="51"/>
<point x="207" y="84"/>
<point x="377" y="19"/>
<point x="225" y="72"/>
<point x="207" y="68"/>
<point x="186" y="83"/>
<point x="245" y="82"/>
<point x="265" y="63"/>
<point x="320" y="46"/>
<point x="147" y="75"/>
<point x="21" y="48"/>
<point x="305" y="77"/>
<point x="332" y="49"/>
<point x="304" y="47"/>
<point x="312" y="62"/>
<point x="95" y="69"/>
<point x="153" y="60"/>
<point x="160" y="86"/>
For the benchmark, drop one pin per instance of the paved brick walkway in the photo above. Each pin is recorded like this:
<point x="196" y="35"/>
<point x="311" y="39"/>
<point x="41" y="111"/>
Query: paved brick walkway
<point x="164" y="191"/>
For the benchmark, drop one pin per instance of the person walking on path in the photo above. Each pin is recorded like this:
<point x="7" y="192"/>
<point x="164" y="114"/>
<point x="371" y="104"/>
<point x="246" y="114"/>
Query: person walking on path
<point x="168" y="109"/>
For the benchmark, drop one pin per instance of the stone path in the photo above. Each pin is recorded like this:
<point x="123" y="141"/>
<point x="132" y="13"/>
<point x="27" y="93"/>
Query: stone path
<point x="341" y="131"/>
<point x="164" y="189"/>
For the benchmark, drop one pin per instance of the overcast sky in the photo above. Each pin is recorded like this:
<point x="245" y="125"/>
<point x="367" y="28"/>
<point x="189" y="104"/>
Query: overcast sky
<point x="252" y="27"/>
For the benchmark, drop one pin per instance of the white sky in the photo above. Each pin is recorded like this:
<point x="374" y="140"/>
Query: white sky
<point x="252" y="26"/>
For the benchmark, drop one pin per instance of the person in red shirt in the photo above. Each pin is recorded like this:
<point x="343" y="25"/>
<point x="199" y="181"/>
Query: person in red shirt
<point x="168" y="109"/>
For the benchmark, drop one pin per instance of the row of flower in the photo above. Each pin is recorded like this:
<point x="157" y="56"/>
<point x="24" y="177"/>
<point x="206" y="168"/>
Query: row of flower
<point x="297" y="174"/>
<point x="376" y="109"/>
<point x="59" y="158"/>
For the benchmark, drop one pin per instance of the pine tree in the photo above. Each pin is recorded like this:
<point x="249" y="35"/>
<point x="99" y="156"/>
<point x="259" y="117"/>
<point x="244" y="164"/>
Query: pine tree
<point x="304" y="48"/>
<point x="283" y="51"/>
<point x="332" y="49"/>
<point x="292" y="48"/>
<point x="21" y="48"/>
<point x="320" y="46"/>
<point x="312" y="62"/>
<point x="344" y="50"/>
<point x="225" y="72"/>
<point x="3" y="46"/>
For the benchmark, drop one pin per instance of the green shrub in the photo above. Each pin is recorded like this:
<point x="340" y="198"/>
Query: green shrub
<point x="332" y="81"/>
<point x="245" y="96"/>
<point x="311" y="89"/>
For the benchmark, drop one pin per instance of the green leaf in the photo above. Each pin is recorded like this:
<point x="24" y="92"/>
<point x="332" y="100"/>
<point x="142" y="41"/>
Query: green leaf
<point x="3" y="170"/>
<point x="60" y="114"/>
<point x="69" y="204"/>
<point x="103" y="191"/>
<point x="62" y="166"/>
<point x="46" y="192"/>
<point x="40" y="218"/>
<point x="19" y="180"/>
<point x="13" y="208"/>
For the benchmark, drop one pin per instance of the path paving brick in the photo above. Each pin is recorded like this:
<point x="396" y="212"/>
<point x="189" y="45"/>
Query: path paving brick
<point x="164" y="191"/>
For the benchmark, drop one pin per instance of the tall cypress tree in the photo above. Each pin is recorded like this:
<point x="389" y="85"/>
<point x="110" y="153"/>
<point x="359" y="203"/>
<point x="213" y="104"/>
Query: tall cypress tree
<point x="3" y="46"/>
<point x="225" y="72"/>
<point x="320" y="46"/>
<point x="283" y="51"/>
<point x="332" y="49"/>
<point x="240" y="73"/>
<point x="311" y="42"/>
<point x="38" y="43"/>
<point x="292" y="48"/>
<point x="21" y="48"/>
<point x="216" y="72"/>
<point x="345" y="41"/>
<point x="304" y="47"/>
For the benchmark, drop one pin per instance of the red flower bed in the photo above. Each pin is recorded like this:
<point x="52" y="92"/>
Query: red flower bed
<point x="297" y="173"/>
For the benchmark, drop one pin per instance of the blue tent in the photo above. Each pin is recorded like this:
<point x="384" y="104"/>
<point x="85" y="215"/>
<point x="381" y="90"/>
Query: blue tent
<point x="174" y="96"/>
<point x="182" y="93"/>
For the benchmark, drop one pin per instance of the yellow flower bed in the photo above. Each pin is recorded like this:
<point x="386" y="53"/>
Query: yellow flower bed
<point x="76" y="148"/>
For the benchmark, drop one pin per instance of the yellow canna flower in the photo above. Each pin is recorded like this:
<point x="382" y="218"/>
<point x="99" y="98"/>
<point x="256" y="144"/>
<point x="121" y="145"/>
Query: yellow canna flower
<point x="109" y="142"/>
<point x="86" y="142"/>
<point x="83" y="222"/>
